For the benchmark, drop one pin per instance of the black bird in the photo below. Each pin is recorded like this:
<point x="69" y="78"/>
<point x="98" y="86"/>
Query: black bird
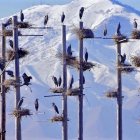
<point x="21" y="16"/>
<point x="20" y="103"/>
<point x="83" y="79"/>
<point x="55" y="108"/>
<point x="69" y="51"/>
<point x="59" y="81"/>
<point x="86" y="55"/>
<point x="10" y="73"/>
<point x="71" y="82"/>
<point x="123" y="58"/>
<point x="118" y="29"/>
<point x="8" y="22"/>
<point x="26" y="79"/>
<point x="105" y="31"/>
<point x="135" y="23"/>
<point x="55" y="80"/>
<point x="46" y="18"/>
<point x="36" y="104"/>
<point x="81" y="11"/>
<point x="62" y="17"/>
<point x="11" y="43"/>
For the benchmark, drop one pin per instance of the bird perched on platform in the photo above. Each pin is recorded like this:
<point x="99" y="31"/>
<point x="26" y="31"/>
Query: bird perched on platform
<point x="11" y="43"/>
<point x="8" y="22"/>
<point x="71" y="82"/>
<point x="55" y="108"/>
<point x="81" y="11"/>
<point x="62" y="17"/>
<point x="69" y="51"/>
<point x="135" y="23"/>
<point x="105" y="31"/>
<point x="55" y="80"/>
<point x="59" y="81"/>
<point x="86" y="56"/>
<point x="20" y="103"/>
<point x="122" y="58"/>
<point x="46" y="18"/>
<point x="21" y="16"/>
<point x="36" y="104"/>
<point x="26" y="79"/>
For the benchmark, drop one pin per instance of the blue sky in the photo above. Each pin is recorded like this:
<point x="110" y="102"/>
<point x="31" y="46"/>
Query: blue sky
<point x="9" y="7"/>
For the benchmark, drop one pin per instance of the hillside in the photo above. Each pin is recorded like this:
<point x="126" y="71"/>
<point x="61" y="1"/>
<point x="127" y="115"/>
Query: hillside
<point x="42" y="63"/>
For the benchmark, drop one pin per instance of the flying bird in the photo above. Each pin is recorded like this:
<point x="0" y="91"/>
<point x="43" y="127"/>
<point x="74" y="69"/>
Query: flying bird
<point x="86" y="55"/>
<point x="105" y="31"/>
<point x="135" y="23"/>
<point x="55" y="108"/>
<point x="36" y="104"/>
<point x="81" y="11"/>
<point x="62" y="17"/>
<point x="55" y="80"/>
<point x="21" y="16"/>
<point x="118" y="29"/>
<point x="71" y="82"/>
<point x="20" y="103"/>
<point x="59" y="81"/>
<point x="10" y="73"/>
<point x="69" y="51"/>
<point x="123" y="58"/>
<point x="46" y="18"/>
<point x="26" y="79"/>
<point x="11" y="43"/>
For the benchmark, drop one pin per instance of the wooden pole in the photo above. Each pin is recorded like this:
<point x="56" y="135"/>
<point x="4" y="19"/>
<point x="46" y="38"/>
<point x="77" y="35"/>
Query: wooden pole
<point x="64" y="102"/>
<point x="81" y="86"/>
<point x="119" y="97"/>
<point x="3" y="96"/>
<point x="17" y="76"/>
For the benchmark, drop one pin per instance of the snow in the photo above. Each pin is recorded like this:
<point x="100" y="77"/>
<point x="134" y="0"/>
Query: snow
<point x="42" y="63"/>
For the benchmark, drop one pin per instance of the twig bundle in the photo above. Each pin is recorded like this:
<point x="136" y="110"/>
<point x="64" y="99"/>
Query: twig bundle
<point x="9" y="33"/>
<point x="135" y="60"/>
<point x="87" y="65"/>
<point x="126" y="68"/>
<point x="21" y="112"/>
<point x="135" y="34"/>
<point x="57" y="90"/>
<point x="73" y="92"/>
<point x="10" y="82"/>
<point x="83" y="33"/>
<point x="23" y="25"/>
<point x="120" y="39"/>
<point x="57" y="119"/>
<point x="111" y="94"/>
<point x="11" y="54"/>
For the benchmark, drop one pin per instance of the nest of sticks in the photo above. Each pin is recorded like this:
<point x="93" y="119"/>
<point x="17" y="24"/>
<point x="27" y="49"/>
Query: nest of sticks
<point x="23" y="25"/>
<point x="57" y="119"/>
<point x="111" y="94"/>
<point x="83" y="33"/>
<point x="57" y="90"/>
<point x="126" y="68"/>
<point x="135" y="60"/>
<point x="87" y="65"/>
<point x="21" y="53"/>
<point x="21" y="112"/>
<point x="9" y="33"/>
<point x="11" y="82"/>
<point x="73" y="92"/>
<point x="135" y="34"/>
<point x="120" y="39"/>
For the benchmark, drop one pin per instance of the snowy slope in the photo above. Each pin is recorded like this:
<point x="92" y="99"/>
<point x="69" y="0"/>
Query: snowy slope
<point x="41" y="63"/>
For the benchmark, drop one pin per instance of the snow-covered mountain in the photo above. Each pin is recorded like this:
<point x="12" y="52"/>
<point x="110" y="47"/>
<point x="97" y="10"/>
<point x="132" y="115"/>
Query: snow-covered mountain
<point x="42" y="63"/>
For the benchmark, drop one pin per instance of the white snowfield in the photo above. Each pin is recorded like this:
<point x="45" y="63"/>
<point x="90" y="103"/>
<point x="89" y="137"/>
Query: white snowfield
<point x="99" y="111"/>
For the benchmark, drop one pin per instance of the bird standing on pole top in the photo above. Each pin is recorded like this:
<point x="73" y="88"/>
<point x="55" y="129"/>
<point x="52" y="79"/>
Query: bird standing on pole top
<point x="46" y="18"/>
<point x="55" y="108"/>
<point x="118" y="29"/>
<point x="21" y="16"/>
<point x="20" y="103"/>
<point x="81" y="11"/>
<point x="55" y="80"/>
<point x="135" y="23"/>
<point x="59" y="81"/>
<point x="62" y="17"/>
<point x="36" y="104"/>
<point x="69" y="51"/>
